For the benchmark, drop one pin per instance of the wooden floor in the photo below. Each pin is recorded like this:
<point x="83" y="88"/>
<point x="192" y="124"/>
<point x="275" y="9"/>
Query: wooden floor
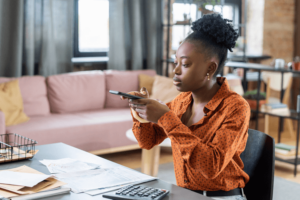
<point x="132" y="159"/>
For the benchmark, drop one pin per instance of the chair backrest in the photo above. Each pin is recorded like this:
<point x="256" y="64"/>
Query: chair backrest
<point x="275" y="79"/>
<point x="259" y="160"/>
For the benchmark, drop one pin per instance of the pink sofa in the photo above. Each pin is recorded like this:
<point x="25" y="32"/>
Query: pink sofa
<point x="77" y="109"/>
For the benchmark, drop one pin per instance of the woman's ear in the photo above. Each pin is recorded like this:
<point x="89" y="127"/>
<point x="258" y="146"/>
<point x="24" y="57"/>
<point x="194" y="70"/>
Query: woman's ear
<point x="212" y="68"/>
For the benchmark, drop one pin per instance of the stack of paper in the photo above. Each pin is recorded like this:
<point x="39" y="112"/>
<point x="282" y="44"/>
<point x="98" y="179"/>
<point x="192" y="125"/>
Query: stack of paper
<point x="25" y="180"/>
<point x="276" y="108"/>
<point x="102" y="179"/>
<point x="68" y="165"/>
<point x="285" y="151"/>
<point x="87" y="177"/>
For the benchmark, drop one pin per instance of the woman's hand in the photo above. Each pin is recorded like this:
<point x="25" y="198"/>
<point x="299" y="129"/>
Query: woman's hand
<point x="143" y="93"/>
<point x="149" y="109"/>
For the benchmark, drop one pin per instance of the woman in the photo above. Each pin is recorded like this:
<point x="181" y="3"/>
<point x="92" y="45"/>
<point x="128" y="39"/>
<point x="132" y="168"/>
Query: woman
<point x="206" y="123"/>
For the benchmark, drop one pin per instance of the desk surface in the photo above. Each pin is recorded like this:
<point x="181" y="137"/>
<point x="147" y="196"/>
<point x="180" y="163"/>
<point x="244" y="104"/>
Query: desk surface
<point x="60" y="150"/>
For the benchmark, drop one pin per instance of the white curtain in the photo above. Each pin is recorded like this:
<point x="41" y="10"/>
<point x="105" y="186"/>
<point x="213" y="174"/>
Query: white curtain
<point x="11" y="26"/>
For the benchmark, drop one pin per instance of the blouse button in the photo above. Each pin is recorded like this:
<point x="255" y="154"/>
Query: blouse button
<point x="185" y="181"/>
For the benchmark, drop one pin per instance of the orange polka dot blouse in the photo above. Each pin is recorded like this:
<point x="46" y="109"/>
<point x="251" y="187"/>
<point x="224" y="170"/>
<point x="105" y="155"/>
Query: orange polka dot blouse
<point x="207" y="154"/>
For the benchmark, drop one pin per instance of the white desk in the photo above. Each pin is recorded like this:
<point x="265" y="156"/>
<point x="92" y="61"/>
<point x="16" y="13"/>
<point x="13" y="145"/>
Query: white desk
<point x="150" y="158"/>
<point x="60" y="150"/>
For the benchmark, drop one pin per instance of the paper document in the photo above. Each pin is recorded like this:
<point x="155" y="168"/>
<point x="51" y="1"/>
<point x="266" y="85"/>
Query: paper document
<point x="7" y="190"/>
<point x="19" y="178"/>
<point x="101" y="178"/>
<point x="66" y="165"/>
<point x="42" y="194"/>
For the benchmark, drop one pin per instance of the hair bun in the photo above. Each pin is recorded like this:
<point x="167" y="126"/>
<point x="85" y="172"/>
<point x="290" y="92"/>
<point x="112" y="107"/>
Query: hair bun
<point x="214" y="27"/>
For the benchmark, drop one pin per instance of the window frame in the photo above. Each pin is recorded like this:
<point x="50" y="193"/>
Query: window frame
<point x="237" y="3"/>
<point x="76" y="52"/>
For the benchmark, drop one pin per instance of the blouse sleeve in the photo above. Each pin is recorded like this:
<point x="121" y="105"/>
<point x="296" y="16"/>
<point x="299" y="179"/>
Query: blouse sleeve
<point x="148" y="134"/>
<point x="212" y="156"/>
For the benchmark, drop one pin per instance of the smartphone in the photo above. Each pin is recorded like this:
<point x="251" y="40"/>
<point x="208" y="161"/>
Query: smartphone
<point x="129" y="96"/>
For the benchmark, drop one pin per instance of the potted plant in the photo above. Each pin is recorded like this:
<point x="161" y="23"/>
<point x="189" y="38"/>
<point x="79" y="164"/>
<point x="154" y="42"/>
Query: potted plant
<point x="251" y="98"/>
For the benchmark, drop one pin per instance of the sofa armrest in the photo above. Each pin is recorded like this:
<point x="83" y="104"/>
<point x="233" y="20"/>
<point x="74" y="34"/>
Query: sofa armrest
<point x="2" y="123"/>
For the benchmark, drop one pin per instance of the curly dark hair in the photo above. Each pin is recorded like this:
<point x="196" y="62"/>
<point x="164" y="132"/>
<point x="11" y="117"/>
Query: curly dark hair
<point x="216" y="35"/>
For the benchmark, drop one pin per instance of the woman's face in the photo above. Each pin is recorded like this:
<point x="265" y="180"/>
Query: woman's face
<point x="191" y="68"/>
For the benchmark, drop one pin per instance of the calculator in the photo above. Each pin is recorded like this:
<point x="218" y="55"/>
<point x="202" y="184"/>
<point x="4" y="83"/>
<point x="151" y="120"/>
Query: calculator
<point x="137" y="192"/>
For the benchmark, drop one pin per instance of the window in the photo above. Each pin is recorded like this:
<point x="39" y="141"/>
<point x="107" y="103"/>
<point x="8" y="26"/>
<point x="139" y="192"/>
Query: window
<point x="183" y="15"/>
<point x="229" y="11"/>
<point x="185" y="12"/>
<point x="232" y="9"/>
<point x="91" y="35"/>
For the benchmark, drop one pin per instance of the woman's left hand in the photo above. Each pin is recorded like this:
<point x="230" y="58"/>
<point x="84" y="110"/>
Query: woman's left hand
<point x="149" y="109"/>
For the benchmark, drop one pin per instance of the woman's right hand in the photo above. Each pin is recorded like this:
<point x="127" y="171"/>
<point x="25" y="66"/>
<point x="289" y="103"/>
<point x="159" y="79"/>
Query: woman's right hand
<point x="143" y="93"/>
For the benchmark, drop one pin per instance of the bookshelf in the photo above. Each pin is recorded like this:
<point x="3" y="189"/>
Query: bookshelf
<point x="294" y="115"/>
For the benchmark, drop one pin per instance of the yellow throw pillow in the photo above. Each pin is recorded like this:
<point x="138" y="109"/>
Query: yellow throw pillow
<point x="146" y="81"/>
<point x="164" y="89"/>
<point x="11" y="103"/>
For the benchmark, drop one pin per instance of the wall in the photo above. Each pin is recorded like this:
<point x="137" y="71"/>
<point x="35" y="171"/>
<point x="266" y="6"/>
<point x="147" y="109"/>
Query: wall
<point x="297" y="32"/>
<point x="270" y="28"/>
<point x="278" y="29"/>
<point x="255" y="23"/>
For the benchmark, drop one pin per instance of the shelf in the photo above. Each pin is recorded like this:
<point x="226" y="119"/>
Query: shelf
<point x="171" y="60"/>
<point x="290" y="161"/>
<point x="177" y="24"/>
<point x="84" y="60"/>
<point x="294" y="115"/>
<point x="256" y="66"/>
<point x="189" y="24"/>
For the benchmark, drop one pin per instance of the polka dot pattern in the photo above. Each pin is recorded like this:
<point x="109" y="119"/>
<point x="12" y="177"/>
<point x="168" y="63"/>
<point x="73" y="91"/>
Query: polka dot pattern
<point x="207" y="154"/>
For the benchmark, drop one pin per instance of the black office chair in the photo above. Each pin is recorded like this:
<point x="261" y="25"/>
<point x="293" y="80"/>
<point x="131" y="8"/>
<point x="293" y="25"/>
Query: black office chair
<point x="259" y="160"/>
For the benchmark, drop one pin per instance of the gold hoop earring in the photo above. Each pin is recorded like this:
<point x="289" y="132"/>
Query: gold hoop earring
<point x="207" y="76"/>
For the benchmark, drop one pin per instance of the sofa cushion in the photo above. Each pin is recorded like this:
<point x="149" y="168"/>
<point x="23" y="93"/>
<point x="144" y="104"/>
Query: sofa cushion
<point x="164" y="89"/>
<point x="34" y="94"/>
<point x="2" y="123"/>
<point x="147" y="82"/>
<point x="76" y="91"/>
<point x="123" y="81"/>
<point x="89" y="131"/>
<point x="11" y="103"/>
